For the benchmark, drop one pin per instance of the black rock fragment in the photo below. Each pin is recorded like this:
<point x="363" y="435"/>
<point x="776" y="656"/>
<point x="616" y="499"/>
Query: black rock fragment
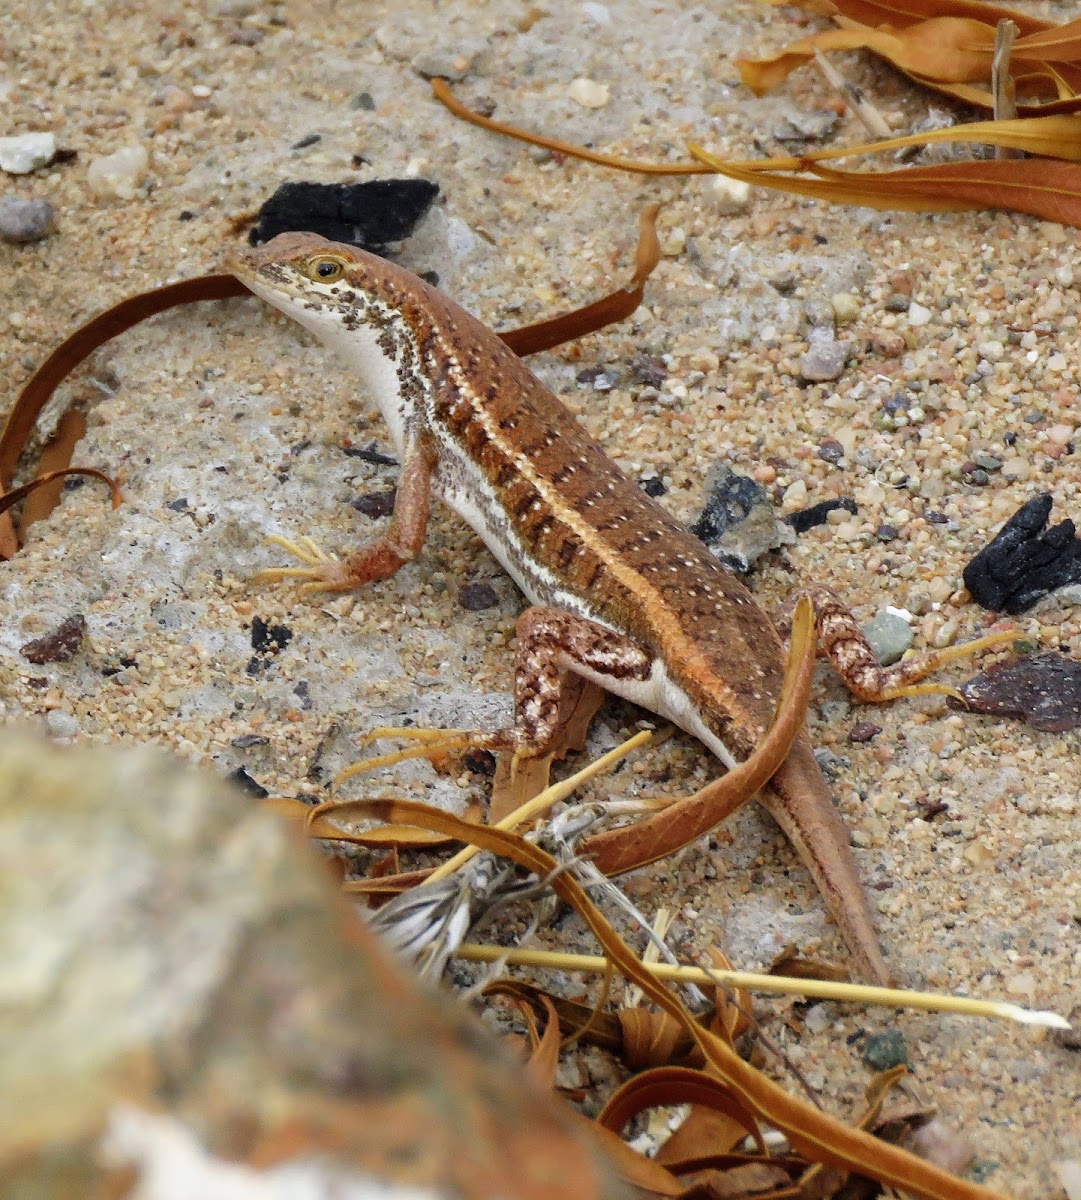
<point x="375" y="504"/>
<point x="808" y="518"/>
<point x="267" y="638"/>
<point x="1042" y="689"/>
<point x="1025" y="561"/>
<point x="59" y="645"/>
<point x="368" y="215"/>
<point x="738" y="523"/>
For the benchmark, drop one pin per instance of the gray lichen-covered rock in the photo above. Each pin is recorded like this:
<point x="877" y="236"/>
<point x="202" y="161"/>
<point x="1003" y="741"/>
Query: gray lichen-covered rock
<point x="187" y="1009"/>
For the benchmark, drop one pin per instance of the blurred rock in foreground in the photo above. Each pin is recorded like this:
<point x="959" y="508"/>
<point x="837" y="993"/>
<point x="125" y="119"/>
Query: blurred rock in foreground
<point x="188" y="1009"/>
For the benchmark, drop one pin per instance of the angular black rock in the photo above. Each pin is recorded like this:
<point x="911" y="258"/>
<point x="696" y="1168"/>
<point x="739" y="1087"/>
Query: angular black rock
<point x="737" y="521"/>
<point x="1025" y="561"/>
<point x="368" y="215"/>
<point x="808" y="518"/>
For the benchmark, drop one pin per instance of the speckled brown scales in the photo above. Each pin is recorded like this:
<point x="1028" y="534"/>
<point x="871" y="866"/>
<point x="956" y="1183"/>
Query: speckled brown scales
<point x="625" y="595"/>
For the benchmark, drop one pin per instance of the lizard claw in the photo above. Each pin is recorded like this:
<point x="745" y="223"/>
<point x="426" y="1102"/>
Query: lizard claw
<point x="322" y="571"/>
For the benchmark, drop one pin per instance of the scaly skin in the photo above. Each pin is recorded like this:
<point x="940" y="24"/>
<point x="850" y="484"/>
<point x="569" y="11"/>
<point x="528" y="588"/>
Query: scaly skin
<point x="473" y="422"/>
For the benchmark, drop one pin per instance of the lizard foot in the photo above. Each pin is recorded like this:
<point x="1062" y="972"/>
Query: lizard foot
<point x="930" y="662"/>
<point x="430" y="743"/>
<point x="321" y="572"/>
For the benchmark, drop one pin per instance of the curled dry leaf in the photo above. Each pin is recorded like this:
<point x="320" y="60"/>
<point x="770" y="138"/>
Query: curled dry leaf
<point x="76" y="348"/>
<point x="946" y="44"/>
<point x="812" y="1133"/>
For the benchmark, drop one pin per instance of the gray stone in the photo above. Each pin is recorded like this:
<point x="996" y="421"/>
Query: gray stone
<point x="61" y="724"/>
<point x="25" y="220"/>
<point x="890" y="636"/>
<point x="825" y="360"/>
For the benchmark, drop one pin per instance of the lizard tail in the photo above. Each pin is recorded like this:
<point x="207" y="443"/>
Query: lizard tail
<point x="799" y="801"/>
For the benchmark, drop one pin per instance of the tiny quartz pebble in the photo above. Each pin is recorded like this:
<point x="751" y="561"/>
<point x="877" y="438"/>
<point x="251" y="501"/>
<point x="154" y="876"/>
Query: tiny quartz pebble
<point x="823" y="362"/>
<point x="25" y="152"/>
<point x="25" y="220"/>
<point x="588" y="93"/>
<point x="917" y="314"/>
<point x="120" y="173"/>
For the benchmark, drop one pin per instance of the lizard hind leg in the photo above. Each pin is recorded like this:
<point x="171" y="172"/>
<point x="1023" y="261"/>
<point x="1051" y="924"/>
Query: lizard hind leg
<point x="843" y="641"/>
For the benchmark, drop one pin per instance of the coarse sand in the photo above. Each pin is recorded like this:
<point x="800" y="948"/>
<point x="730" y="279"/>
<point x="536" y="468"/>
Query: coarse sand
<point x="955" y="402"/>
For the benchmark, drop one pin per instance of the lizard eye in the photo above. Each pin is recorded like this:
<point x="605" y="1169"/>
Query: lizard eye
<point x="324" y="268"/>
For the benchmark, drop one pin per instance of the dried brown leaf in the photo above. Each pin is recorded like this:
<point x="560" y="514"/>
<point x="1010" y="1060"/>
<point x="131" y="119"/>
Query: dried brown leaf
<point x="814" y="1134"/>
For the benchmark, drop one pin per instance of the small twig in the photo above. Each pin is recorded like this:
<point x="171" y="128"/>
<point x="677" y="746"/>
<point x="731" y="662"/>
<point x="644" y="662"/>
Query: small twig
<point x="780" y="984"/>
<point x="1002" y="87"/>
<point x="873" y="121"/>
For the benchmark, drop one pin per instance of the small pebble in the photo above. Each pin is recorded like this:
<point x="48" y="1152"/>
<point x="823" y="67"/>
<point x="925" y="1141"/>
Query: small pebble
<point x="823" y="361"/>
<point x="25" y="152"/>
<point x="120" y="173"/>
<point x="731" y="194"/>
<point x="588" y="93"/>
<point x="25" y="220"/>
<point x="846" y="307"/>
<point x="435" y="64"/>
<point x="865" y="731"/>
<point x="818" y="1018"/>
<point x="1057" y="362"/>
<point x="1022" y="984"/>
<point x="60" y="724"/>
<point x="917" y="314"/>
<point x="1068" y="1171"/>
<point x="362" y="102"/>
<point x="1061" y="434"/>
<point x="476" y="597"/>
<point x="882" y="1051"/>
<point x="890" y="635"/>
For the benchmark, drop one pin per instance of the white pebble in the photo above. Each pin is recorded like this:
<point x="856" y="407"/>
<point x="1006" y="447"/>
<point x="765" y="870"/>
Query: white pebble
<point x="917" y="314"/>
<point x="1029" y="340"/>
<point x="200" y="91"/>
<point x="120" y="173"/>
<point x="598" y="13"/>
<point x="1023" y="984"/>
<point x="1064" y="276"/>
<point x="589" y="93"/>
<point x="1057" y="362"/>
<point x="25" y="152"/>
<point x="795" y="495"/>
<point x="1068" y="1171"/>
<point x="60" y="724"/>
<point x="731" y="194"/>
<point x="1060" y="434"/>
<point x="992" y="351"/>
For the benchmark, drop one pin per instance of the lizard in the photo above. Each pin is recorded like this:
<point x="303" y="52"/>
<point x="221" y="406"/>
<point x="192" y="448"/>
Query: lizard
<point x="621" y="593"/>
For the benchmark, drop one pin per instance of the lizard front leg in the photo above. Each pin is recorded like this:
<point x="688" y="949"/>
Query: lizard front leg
<point x="384" y="555"/>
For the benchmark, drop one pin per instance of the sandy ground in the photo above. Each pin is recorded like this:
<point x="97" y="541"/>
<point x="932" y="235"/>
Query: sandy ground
<point x="227" y="423"/>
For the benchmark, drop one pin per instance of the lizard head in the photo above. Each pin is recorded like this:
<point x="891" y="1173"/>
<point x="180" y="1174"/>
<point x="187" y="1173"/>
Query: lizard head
<point x="305" y="273"/>
<point x="369" y="310"/>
